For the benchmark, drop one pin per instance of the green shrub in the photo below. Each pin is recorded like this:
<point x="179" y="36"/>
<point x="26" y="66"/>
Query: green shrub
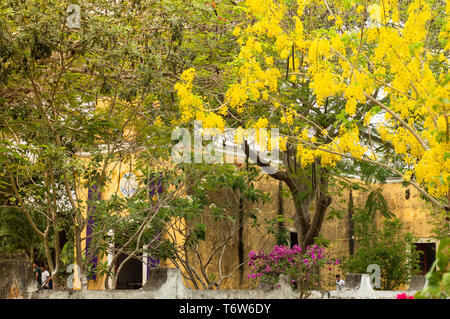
<point x="389" y="248"/>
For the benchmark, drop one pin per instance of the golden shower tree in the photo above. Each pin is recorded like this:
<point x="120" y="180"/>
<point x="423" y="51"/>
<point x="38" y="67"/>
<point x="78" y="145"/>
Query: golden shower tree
<point x="363" y="82"/>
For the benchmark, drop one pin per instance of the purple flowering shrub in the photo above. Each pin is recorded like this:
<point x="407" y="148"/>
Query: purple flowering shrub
<point x="299" y="266"/>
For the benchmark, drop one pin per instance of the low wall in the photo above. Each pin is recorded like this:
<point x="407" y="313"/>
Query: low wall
<point x="173" y="288"/>
<point x="16" y="278"/>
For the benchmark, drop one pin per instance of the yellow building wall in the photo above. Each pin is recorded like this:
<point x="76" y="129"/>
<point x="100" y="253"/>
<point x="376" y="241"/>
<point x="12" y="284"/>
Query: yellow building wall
<point x="413" y="212"/>
<point x="253" y="238"/>
<point x="115" y="172"/>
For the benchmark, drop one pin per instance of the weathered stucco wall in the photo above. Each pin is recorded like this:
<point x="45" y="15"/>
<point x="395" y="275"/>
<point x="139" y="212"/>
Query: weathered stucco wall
<point x="172" y="287"/>
<point x="16" y="278"/>
<point x="251" y="237"/>
<point x="413" y="212"/>
<point x="115" y="172"/>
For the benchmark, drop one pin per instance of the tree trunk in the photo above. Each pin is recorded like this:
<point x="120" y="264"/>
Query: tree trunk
<point x="79" y="258"/>
<point x="305" y="190"/>
<point x="308" y="229"/>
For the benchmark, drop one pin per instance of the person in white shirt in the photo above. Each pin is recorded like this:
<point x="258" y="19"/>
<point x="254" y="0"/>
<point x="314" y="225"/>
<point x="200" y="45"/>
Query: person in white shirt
<point x="45" y="278"/>
<point x="339" y="282"/>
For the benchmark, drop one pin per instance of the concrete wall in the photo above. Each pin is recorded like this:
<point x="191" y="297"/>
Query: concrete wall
<point x="173" y="288"/>
<point x="16" y="278"/>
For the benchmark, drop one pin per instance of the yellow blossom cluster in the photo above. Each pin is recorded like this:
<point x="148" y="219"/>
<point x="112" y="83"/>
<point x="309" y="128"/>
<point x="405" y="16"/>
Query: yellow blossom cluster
<point x="307" y="156"/>
<point x="389" y="58"/>
<point x="307" y="153"/>
<point x="387" y="61"/>
<point x="191" y="105"/>
<point x="288" y="117"/>
<point x="349" y="142"/>
<point x="434" y="169"/>
<point x="403" y="142"/>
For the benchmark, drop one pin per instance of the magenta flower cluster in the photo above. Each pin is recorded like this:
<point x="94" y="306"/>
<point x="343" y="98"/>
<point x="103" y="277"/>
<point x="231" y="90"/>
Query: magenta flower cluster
<point x="292" y="262"/>
<point x="273" y="262"/>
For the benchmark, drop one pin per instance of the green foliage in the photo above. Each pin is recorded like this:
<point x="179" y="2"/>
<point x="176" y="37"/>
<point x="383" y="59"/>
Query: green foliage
<point x="200" y="203"/>
<point x="376" y="203"/>
<point x="63" y="92"/>
<point x="439" y="275"/>
<point x="390" y="248"/>
<point x="16" y="235"/>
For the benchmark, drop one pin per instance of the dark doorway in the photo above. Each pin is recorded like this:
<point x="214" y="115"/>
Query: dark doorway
<point x="130" y="276"/>
<point x="293" y="239"/>
<point x="427" y="256"/>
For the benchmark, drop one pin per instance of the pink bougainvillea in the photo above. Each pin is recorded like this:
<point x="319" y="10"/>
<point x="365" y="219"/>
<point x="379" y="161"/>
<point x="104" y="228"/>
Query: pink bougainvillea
<point x="296" y="264"/>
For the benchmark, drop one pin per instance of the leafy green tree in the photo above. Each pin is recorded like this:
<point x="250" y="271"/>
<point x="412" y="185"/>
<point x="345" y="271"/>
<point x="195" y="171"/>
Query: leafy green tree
<point x="75" y="100"/>
<point x="390" y="248"/>
<point x="309" y="69"/>
<point x="223" y="199"/>
<point x="439" y="275"/>
<point x="66" y="92"/>
<point x="17" y="236"/>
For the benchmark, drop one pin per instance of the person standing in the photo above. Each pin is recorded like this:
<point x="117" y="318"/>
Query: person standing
<point x="37" y="274"/>
<point x="339" y="282"/>
<point x="46" y="278"/>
